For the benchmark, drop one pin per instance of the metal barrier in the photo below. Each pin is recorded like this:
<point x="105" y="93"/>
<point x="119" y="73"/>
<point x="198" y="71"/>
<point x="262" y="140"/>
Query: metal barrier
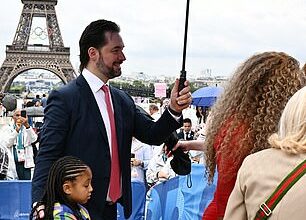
<point x="15" y="199"/>
<point x="182" y="197"/>
<point x="174" y="199"/>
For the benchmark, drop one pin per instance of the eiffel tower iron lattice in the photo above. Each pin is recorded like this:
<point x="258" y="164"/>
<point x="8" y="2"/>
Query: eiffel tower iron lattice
<point x="22" y="56"/>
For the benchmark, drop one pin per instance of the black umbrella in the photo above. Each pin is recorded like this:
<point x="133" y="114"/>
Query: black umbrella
<point x="181" y="163"/>
<point x="183" y="71"/>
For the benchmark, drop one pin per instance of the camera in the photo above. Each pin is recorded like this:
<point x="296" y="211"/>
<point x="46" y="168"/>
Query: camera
<point x="23" y="113"/>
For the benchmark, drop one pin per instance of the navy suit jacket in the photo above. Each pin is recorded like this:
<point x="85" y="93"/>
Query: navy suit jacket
<point x="73" y="125"/>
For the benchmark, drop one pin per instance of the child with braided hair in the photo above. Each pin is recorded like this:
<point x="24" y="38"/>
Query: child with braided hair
<point x="68" y="186"/>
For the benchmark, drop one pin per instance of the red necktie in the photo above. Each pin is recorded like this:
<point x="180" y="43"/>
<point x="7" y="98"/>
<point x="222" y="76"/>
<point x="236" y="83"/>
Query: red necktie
<point x="114" y="185"/>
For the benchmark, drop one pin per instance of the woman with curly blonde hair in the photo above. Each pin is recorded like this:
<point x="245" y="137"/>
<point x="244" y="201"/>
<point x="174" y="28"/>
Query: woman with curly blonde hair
<point x="243" y="118"/>
<point x="255" y="183"/>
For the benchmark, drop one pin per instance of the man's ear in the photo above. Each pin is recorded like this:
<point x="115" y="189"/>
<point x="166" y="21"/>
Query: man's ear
<point x="92" y="53"/>
<point x="67" y="186"/>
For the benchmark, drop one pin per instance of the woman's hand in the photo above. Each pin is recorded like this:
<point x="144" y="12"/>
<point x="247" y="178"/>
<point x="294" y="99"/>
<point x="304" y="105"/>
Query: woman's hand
<point x="190" y="145"/>
<point x="183" y="145"/>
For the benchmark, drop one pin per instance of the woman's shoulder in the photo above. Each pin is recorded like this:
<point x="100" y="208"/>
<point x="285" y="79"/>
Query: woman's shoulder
<point x="273" y="158"/>
<point x="262" y="155"/>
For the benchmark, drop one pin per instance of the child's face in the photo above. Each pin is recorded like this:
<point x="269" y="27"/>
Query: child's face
<point x="80" y="189"/>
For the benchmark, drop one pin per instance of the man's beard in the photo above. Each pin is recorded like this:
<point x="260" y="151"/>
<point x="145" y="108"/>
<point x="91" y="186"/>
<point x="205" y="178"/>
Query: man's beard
<point x="110" y="73"/>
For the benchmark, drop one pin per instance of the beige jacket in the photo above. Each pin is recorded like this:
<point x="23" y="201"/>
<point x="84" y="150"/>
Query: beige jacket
<point x="257" y="179"/>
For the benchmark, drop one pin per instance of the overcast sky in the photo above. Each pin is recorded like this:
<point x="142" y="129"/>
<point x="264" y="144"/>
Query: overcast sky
<point x="222" y="33"/>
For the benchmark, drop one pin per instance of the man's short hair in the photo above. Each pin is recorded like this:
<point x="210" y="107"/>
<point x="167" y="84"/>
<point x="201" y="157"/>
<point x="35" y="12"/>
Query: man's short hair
<point x="186" y="120"/>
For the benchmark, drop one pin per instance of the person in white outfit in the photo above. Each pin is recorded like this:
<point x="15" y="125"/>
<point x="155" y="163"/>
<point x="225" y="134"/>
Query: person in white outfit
<point x="154" y="112"/>
<point x="6" y="143"/>
<point x="4" y="160"/>
<point x="2" y="110"/>
<point x="18" y="139"/>
<point x="141" y="154"/>
<point x="159" y="168"/>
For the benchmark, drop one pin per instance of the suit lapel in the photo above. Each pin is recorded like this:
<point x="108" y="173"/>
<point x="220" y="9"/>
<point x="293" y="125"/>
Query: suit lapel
<point x="92" y="106"/>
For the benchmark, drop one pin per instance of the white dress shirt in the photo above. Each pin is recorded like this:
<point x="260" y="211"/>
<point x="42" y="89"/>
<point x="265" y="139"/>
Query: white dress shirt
<point x="95" y="85"/>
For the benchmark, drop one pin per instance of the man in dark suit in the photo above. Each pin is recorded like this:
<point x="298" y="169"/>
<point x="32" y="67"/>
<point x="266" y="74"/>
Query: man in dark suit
<point x="96" y="122"/>
<point x="186" y="134"/>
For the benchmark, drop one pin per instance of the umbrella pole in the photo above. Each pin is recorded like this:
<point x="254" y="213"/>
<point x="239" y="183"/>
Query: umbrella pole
<point x="183" y="72"/>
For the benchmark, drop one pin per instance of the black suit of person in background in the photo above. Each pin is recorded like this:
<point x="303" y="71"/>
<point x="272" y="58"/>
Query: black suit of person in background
<point x="75" y="122"/>
<point x="186" y="133"/>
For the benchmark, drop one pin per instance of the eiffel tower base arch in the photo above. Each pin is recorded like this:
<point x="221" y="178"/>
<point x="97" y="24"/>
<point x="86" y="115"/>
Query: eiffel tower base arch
<point x="15" y="64"/>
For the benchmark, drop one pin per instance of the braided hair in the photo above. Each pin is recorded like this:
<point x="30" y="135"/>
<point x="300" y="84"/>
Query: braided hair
<point x="67" y="168"/>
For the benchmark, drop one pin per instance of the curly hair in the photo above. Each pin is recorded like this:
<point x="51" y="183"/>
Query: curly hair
<point x="291" y="136"/>
<point x="253" y="99"/>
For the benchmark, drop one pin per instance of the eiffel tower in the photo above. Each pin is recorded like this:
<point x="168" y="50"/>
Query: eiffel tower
<point x="22" y="56"/>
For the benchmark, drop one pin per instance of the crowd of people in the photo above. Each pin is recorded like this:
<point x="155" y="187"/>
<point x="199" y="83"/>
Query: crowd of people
<point x="95" y="141"/>
<point x="19" y="141"/>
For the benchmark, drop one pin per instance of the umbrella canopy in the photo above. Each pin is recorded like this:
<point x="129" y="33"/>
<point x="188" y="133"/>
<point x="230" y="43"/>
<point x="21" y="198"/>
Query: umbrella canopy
<point x="206" y="96"/>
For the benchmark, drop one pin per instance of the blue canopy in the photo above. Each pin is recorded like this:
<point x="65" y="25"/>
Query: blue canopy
<point x="206" y="96"/>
